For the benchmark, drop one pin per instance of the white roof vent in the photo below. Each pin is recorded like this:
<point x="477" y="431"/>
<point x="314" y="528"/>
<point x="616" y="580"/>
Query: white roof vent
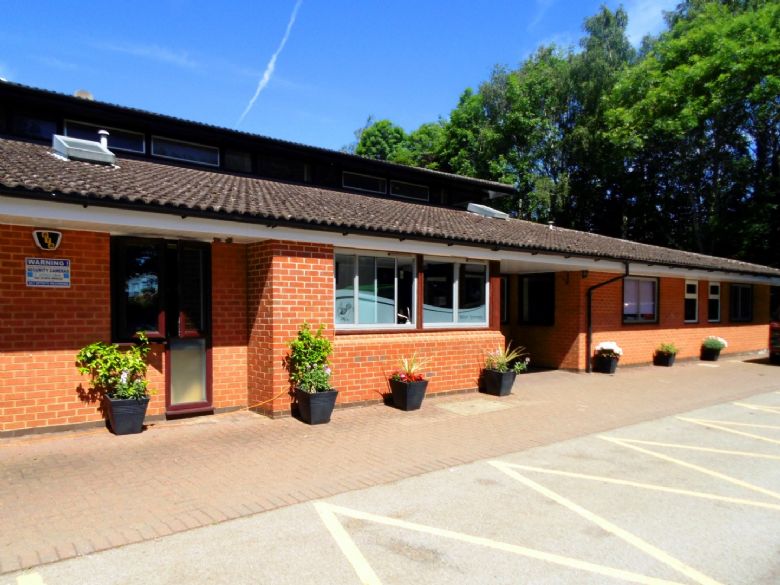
<point x="84" y="150"/>
<point x="486" y="211"/>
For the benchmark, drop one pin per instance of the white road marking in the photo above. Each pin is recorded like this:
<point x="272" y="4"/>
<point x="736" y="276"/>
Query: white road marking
<point x="331" y="509"/>
<point x="704" y="449"/>
<point x="608" y="526"/>
<point x="699" y="468"/>
<point x="646" y="486"/>
<point x="30" y="579"/>
<point x="720" y="427"/>
<point x="731" y="423"/>
<point x="347" y="545"/>
<point x="761" y="407"/>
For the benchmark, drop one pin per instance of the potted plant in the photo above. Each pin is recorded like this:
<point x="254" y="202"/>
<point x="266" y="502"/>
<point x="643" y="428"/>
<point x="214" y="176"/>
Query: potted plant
<point x="501" y="367"/>
<point x="120" y="378"/>
<point x="606" y="357"/>
<point x="665" y="354"/>
<point x="711" y="346"/>
<point x="310" y="374"/>
<point x="408" y="384"/>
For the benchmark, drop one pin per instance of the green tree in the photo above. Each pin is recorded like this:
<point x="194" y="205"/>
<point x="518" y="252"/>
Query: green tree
<point x="380" y="140"/>
<point x="699" y="118"/>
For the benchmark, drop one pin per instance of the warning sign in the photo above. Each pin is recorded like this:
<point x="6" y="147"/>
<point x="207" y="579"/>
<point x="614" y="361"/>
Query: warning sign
<point x="47" y="272"/>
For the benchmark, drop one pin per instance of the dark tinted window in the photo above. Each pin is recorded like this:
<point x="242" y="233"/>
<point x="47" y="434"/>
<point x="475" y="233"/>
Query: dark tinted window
<point x="32" y="127"/>
<point x="537" y="299"/>
<point x="409" y="190"/>
<point x="364" y="183"/>
<point x="741" y="302"/>
<point x="117" y="139"/>
<point x="196" y="153"/>
<point x="137" y="285"/>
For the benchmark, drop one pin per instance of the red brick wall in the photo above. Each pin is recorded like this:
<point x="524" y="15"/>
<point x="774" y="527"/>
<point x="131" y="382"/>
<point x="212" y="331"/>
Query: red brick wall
<point x="640" y="341"/>
<point x="41" y="329"/>
<point x="288" y="283"/>
<point x="230" y="329"/>
<point x="557" y="346"/>
<point x="565" y="344"/>
<point x="453" y="360"/>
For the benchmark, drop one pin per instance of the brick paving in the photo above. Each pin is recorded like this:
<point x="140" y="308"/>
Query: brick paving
<point x="70" y="494"/>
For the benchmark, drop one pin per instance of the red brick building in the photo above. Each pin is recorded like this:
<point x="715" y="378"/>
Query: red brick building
<point x="221" y="244"/>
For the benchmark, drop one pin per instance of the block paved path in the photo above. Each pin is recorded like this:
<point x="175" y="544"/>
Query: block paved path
<point x="69" y="494"/>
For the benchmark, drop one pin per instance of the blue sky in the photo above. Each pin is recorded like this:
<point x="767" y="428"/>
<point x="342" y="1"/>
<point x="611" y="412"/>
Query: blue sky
<point x="343" y="60"/>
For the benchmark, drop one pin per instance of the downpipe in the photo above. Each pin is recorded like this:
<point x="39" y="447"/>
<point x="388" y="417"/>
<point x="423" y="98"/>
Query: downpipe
<point x="589" y="337"/>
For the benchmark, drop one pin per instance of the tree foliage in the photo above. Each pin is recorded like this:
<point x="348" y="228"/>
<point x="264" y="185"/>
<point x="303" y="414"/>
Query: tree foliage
<point x="677" y="144"/>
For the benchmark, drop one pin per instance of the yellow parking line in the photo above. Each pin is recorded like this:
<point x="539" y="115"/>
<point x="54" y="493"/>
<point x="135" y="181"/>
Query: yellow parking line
<point x="347" y="545"/>
<point x="760" y="407"/>
<point x="608" y="526"/>
<point x="704" y="449"/>
<point x="331" y="509"/>
<point x="30" y="579"/>
<point x="728" y="430"/>
<point x="732" y="423"/>
<point x="699" y="468"/>
<point x="647" y="486"/>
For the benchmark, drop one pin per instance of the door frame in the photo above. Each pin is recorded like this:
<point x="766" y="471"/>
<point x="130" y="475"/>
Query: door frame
<point x="201" y="407"/>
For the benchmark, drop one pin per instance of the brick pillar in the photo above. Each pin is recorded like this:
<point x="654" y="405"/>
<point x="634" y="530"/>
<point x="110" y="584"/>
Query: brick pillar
<point x="288" y="283"/>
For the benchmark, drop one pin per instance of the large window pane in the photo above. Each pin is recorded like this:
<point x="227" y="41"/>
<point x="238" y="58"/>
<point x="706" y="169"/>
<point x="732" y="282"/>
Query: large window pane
<point x="438" y="294"/>
<point x="345" y="289"/>
<point x="385" y="290"/>
<point x="639" y="300"/>
<point x="366" y="290"/>
<point x="384" y="293"/>
<point x="472" y="305"/>
<point x="406" y="280"/>
<point x="140" y="301"/>
<point x="741" y="302"/>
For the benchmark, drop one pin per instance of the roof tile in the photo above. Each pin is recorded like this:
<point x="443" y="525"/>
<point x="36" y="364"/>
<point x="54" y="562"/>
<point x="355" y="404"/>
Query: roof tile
<point x="149" y="184"/>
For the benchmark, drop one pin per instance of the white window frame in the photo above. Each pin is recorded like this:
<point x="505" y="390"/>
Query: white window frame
<point x="410" y="325"/>
<point x="343" y="183"/>
<point x="691" y="296"/>
<point x="456" y="264"/>
<point x="654" y="321"/>
<point x="187" y="160"/>
<point x="110" y="128"/>
<point x="712" y="297"/>
<point x="427" y="191"/>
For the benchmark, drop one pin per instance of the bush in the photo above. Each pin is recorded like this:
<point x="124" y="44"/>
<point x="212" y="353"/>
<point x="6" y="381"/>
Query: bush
<point x="714" y="342"/>
<point x="116" y="373"/>
<point x="502" y="359"/>
<point x="307" y="361"/>
<point x="668" y="348"/>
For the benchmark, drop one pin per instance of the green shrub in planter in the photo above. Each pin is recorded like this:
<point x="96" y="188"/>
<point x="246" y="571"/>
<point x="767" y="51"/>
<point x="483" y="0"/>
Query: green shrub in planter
<point x="310" y="374"/>
<point x="711" y="346"/>
<point x="120" y="378"/>
<point x="665" y="354"/>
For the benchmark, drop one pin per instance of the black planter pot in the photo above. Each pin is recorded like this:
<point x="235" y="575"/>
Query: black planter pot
<point x="497" y="383"/>
<point x="605" y="364"/>
<point x="316" y="408"/>
<point x="408" y="395"/>
<point x="709" y="354"/>
<point x="126" y="415"/>
<point x="664" y="359"/>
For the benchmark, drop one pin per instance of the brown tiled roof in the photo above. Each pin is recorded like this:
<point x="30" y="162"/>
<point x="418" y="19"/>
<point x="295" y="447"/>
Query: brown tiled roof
<point x="28" y="169"/>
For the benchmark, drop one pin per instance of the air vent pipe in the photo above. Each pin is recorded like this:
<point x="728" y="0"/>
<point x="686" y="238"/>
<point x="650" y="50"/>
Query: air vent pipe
<point x="103" y="138"/>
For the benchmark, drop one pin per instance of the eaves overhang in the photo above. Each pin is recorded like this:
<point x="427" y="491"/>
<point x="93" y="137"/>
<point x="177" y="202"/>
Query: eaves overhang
<point x="57" y="209"/>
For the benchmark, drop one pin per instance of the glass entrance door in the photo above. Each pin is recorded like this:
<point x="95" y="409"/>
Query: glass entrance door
<point x="188" y="328"/>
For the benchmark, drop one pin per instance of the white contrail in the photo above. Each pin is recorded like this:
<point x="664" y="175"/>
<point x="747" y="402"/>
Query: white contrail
<point x="269" y="69"/>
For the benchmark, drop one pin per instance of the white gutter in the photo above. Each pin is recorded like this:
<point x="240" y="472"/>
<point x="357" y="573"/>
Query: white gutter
<point x="96" y="218"/>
